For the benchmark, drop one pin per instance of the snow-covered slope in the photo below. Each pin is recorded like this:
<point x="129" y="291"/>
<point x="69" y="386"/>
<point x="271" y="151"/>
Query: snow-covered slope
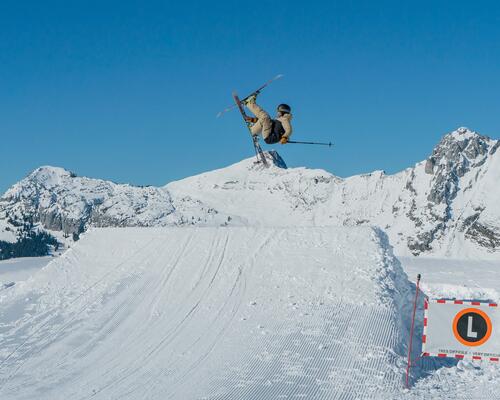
<point x="212" y="313"/>
<point x="444" y="206"/>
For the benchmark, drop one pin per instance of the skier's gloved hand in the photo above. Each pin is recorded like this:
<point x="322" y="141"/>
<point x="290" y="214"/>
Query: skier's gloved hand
<point x="251" y="119"/>
<point x="284" y="140"/>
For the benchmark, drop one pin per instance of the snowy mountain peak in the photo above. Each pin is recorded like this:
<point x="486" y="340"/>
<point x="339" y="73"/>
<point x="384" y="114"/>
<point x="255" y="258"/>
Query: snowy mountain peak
<point x="50" y="176"/>
<point x="459" y="151"/>
<point x="43" y="177"/>
<point x="436" y="206"/>
<point x="463" y="133"/>
<point x="50" y="171"/>
<point x="466" y="141"/>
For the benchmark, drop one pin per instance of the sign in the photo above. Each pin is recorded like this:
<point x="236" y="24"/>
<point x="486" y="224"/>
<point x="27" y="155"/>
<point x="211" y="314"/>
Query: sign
<point x="461" y="329"/>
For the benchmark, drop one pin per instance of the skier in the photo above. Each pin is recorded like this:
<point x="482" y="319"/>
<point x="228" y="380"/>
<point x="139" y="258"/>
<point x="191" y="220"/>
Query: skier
<point x="272" y="130"/>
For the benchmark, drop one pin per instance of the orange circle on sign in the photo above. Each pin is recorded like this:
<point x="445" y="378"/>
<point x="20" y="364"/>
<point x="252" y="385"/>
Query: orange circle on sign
<point x="474" y="311"/>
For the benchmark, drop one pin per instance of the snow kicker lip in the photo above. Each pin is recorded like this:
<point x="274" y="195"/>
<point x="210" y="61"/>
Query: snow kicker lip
<point x="243" y="312"/>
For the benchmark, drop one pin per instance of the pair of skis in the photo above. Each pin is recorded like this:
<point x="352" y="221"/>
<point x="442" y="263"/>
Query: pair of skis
<point x="279" y="76"/>
<point x="255" y="139"/>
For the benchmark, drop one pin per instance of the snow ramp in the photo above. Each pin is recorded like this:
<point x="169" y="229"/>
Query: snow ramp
<point x="209" y="313"/>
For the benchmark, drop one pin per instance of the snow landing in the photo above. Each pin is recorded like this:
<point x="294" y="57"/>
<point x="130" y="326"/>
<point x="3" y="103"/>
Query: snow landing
<point x="209" y="313"/>
<point x="20" y="269"/>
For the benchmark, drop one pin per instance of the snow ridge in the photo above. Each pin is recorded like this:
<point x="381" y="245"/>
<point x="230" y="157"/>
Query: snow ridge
<point x="444" y="206"/>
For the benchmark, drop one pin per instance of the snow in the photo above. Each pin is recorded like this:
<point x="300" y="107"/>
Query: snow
<point x="462" y="133"/>
<point x="243" y="312"/>
<point x="444" y="206"/>
<point x="456" y="278"/>
<point x="268" y="283"/>
<point x="5" y="234"/>
<point x="20" y="269"/>
<point x="412" y="206"/>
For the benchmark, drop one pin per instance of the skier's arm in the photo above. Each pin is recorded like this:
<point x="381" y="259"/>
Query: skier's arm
<point x="287" y="126"/>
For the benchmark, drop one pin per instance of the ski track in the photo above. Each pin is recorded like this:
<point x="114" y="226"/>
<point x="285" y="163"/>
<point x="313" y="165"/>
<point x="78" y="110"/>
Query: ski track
<point x="25" y="348"/>
<point x="208" y="313"/>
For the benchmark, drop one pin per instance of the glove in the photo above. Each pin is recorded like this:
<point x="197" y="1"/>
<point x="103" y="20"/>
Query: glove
<point x="284" y="140"/>
<point x="251" y="119"/>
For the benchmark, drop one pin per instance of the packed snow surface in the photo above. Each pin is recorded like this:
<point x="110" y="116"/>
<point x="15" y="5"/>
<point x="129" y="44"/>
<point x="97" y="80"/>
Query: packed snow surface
<point x="20" y="269"/>
<point x="209" y="313"/>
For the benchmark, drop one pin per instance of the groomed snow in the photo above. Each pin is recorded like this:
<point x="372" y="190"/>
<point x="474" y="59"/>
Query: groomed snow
<point x="20" y="269"/>
<point x="209" y="313"/>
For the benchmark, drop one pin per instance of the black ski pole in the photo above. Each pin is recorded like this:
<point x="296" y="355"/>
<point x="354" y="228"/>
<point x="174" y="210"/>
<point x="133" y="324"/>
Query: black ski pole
<point x="317" y="143"/>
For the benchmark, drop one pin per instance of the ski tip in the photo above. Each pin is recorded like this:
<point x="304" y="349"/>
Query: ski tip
<point x="279" y="76"/>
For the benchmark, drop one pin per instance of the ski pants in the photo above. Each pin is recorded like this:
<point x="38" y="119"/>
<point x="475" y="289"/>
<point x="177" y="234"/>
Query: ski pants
<point x="264" y="124"/>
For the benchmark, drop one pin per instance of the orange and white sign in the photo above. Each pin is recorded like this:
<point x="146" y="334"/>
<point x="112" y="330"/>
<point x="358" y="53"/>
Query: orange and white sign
<point x="461" y="329"/>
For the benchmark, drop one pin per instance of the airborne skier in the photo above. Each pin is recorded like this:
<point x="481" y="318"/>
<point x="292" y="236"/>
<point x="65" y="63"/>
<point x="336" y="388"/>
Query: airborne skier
<point x="272" y="130"/>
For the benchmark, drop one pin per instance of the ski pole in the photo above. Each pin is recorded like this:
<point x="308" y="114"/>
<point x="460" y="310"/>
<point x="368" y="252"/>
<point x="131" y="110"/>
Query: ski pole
<point x="317" y="143"/>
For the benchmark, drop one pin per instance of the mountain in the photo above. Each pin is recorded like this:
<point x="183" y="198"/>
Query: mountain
<point x="444" y="205"/>
<point x="55" y="201"/>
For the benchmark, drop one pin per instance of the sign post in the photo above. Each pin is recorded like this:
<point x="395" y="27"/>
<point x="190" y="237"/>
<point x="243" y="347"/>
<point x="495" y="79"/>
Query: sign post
<point x="408" y="366"/>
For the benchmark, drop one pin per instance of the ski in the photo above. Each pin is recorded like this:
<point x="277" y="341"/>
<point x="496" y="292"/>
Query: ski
<point x="258" y="150"/>
<point x="279" y="76"/>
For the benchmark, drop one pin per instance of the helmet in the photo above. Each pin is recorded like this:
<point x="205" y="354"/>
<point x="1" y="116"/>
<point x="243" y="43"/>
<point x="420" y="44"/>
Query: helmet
<point x="284" y="108"/>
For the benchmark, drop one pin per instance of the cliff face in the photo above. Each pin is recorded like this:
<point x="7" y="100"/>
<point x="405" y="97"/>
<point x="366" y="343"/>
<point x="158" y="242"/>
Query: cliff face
<point x="460" y="165"/>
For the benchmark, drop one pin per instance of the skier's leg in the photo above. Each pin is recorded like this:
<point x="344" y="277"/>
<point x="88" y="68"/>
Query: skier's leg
<point x="256" y="128"/>
<point x="264" y="120"/>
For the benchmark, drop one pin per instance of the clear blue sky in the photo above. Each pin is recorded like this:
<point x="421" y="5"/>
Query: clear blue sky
<point x="128" y="91"/>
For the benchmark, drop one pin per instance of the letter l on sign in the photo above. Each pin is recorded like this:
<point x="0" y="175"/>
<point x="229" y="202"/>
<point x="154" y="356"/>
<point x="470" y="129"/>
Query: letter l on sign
<point x="469" y="329"/>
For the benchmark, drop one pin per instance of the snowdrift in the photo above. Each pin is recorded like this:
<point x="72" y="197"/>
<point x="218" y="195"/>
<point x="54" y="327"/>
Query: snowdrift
<point x="209" y="313"/>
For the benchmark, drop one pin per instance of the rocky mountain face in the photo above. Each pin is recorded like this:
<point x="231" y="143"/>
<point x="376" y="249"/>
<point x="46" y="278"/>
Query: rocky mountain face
<point x="462" y="167"/>
<point x="55" y="201"/>
<point x="445" y="205"/>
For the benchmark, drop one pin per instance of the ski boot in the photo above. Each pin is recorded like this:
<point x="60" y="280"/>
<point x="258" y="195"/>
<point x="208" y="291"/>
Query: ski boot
<point x="250" y="99"/>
